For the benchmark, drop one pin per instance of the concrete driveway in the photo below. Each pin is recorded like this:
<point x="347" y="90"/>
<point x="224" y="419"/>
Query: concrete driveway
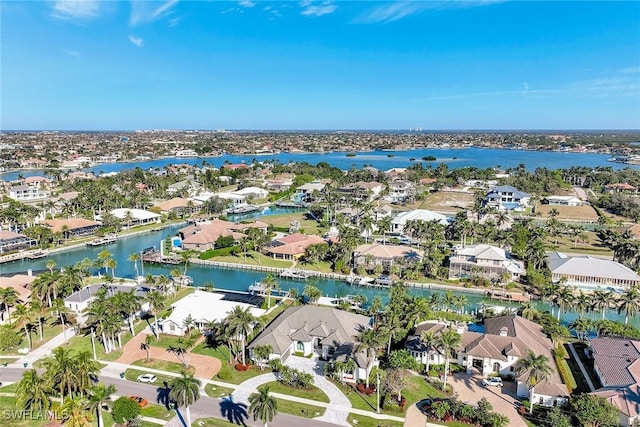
<point x="503" y="399"/>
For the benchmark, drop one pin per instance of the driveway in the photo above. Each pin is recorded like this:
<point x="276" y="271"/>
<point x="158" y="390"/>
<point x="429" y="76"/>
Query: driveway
<point x="503" y="399"/>
<point x="205" y="366"/>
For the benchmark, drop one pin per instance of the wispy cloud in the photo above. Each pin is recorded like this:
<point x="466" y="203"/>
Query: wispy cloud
<point x="144" y="12"/>
<point x="73" y="53"/>
<point x="137" y="41"/>
<point x="75" y="10"/>
<point x="246" y="3"/>
<point x="630" y="70"/>
<point x="390" y="12"/>
<point x="309" y="8"/>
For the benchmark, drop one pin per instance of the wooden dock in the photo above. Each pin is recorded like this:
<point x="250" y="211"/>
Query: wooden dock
<point x="28" y="255"/>
<point x="153" y="256"/>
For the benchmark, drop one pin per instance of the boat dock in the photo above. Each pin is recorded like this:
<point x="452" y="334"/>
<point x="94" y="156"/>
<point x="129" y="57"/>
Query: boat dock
<point x="259" y="288"/>
<point x="153" y="255"/>
<point x="106" y="240"/>
<point x="28" y="255"/>
<point x="295" y="274"/>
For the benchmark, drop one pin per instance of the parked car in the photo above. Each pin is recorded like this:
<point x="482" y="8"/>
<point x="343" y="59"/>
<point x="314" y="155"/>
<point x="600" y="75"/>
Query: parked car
<point x="141" y="401"/>
<point x="147" y="378"/>
<point x="492" y="381"/>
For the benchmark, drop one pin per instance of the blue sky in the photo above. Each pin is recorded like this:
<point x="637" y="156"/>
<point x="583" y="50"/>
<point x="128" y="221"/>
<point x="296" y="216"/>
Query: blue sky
<point x="82" y="64"/>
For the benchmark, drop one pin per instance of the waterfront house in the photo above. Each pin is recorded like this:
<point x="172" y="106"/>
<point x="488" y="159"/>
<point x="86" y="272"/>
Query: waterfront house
<point x="307" y="192"/>
<point x="19" y="282"/>
<point x="252" y="193"/>
<point x="562" y="201"/>
<point x="507" y="197"/>
<point x="506" y="339"/>
<point x="486" y="261"/>
<point x="188" y="187"/>
<point x="136" y="217"/>
<point x="72" y="227"/>
<point x="398" y="223"/>
<point x="292" y="246"/>
<point x="204" y="308"/>
<point x="26" y="193"/>
<point x="37" y="181"/>
<point x="616" y="362"/>
<point x="79" y="301"/>
<point x="361" y="190"/>
<point x="178" y="206"/>
<point x="309" y="331"/>
<point x="11" y="241"/>
<point x="590" y="273"/>
<point x="203" y="236"/>
<point x="370" y="255"/>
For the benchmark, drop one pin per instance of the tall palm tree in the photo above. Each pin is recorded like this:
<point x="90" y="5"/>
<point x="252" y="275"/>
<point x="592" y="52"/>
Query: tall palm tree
<point x="529" y="311"/>
<point x="391" y="329"/>
<point x="185" y="391"/>
<point x="57" y="305"/>
<point x="601" y="300"/>
<point x="429" y="340"/>
<point x="75" y="413"/>
<point x="537" y="368"/>
<point x="61" y="370"/>
<point x="563" y="298"/>
<point x="24" y="316"/>
<point x="158" y="301"/>
<point x="629" y="303"/>
<point x="448" y="342"/>
<point x="368" y="341"/>
<point x="85" y="368"/>
<point x="8" y="297"/>
<point x="270" y="283"/>
<point x="38" y="310"/>
<point x="33" y="391"/>
<point x="262" y="406"/>
<point x="134" y="258"/>
<point x="99" y="395"/>
<point x="146" y="345"/>
<point x="240" y="323"/>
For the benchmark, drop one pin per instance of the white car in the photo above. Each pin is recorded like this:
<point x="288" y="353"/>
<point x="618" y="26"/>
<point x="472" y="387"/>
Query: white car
<point x="147" y="378"/>
<point x="494" y="381"/>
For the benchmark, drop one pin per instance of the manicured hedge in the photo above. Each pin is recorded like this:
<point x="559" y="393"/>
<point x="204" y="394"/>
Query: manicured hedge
<point x="219" y="252"/>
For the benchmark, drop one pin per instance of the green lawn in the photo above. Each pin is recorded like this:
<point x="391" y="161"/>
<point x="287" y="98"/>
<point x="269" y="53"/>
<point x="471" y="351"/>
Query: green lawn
<point x="299" y="409"/>
<point x="157" y="411"/>
<point x="212" y="422"/>
<point x="214" y="391"/>
<point x="162" y="365"/>
<point x="253" y="258"/>
<point x="228" y="372"/>
<point x="11" y="388"/>
<point x="323" y="266"/>
<point x="313" y="393"/>
<point x="50" y="329"/>
<point x="165" y="341"/>
<point x="284" y="220"/>
<point x="362" y="421"/>
<point x="133" y="374"/>
<point x="220" y="352"/>
<point x="268" y="318"/>
<point x="83" y="343"/>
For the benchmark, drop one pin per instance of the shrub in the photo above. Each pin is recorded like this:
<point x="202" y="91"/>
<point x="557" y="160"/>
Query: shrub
<point x="240" y="367"/>
<point x="366" y="390"/>
<point x="124" y="410"/>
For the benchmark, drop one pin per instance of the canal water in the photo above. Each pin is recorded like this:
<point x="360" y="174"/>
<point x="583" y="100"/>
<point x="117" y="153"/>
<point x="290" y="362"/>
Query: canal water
<point x="235" y="279"/>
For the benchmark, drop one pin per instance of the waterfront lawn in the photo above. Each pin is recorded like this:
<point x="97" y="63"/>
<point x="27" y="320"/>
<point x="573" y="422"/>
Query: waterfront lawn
<point x="322" y="266"/>
<point x="253" y="258"/>
<point x="307" y="225"/>
<point x="362" y="421"/>
<point x="275" y="312"/>
<point x="162" y="365"/>
<point x="133" y="374"/>
<point x="313" y="393"/>
<point x="215" y="391"/>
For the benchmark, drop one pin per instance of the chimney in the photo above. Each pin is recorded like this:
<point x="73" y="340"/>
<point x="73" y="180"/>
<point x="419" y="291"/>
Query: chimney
<point x="503" y="332"/>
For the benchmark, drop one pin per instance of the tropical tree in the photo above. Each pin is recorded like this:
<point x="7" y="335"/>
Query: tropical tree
<point x="61" y="371"/>
<point x="158" y="301"/>
<point x="448" y="342"/>
<point x="58" y="306"/>
<point x="38" y="310"/>
<point x="537" y="369"/>
<point x="185" y="391"/>
<point x="262" y="353"/>
<point x="601" y="300"/>
<point x="368" y="341"/>
<point x="629" y="303"/>
<point x="529" y="311"/>
<point x="74" y="410"/>
<point x="24" y="317"/>
<point x="270" y="283"/>
<point x="429" y="340"/>
<point x="33" y="391"/>
<point x="146" y="345"/>
<point x="240" y="323"/>
<point x="262" y="406"/>
<point x="312" y="293"/>
<point x="99" y="395"/>
<point x="134" y="258"/>
<point x="8" y="297"/>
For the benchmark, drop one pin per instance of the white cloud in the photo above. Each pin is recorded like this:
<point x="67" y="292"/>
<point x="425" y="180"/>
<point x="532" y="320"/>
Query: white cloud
<point x="394" y="11"/>
<point x="630" y="70"/>
<point x="75" y="9"/>
<point x="324" y="8"/>
<point x="144" y="12"/>
<point x="246" y="3"/>
<point x="137" y="41"/>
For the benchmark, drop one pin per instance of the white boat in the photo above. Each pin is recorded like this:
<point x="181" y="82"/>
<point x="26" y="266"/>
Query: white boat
<point x="295" y="274"/>
<point x="359" y="280"/>
<point x="183" y="280"/>
<point x="108" y="239"/>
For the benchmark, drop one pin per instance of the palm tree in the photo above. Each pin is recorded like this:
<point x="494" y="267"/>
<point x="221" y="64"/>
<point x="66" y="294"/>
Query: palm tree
<point x="85" y="368"/>
<point x="134" y="258"/>
<point x="601" y="300"/>
<point x="241" y="324"/>
<point x="384" y="225"/>
<point x="158" y="301"/>
<point x="99" y="395"/>
<point x="448" y="342"/>
<point x="538" y="370"/>
<point x="33" y="391"/>
<point x="185" y="391"/>
<point x="269" y="283"/>
<point x="74" y="411"/>
<point x="368" y="341"/>
<point x="563" y="298"/>
<point x="529" y="311"/>
<point x="8" y="297"/>
<point x="24" y="316"/>
<point x="629" y="303"/>
<point x="262" y="406"/>
<point x="429" y="340"/>
<point x="38" y="310"/>
<point x="58" y="306"/>
<point x="61" y="370"/>
<point x="391" y="329"/>
<point x="146" y="345"/>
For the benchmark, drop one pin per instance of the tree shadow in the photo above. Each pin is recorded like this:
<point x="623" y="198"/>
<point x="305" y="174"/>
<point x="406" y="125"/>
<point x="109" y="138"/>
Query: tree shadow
<point x="162" y="396"/>
<point x="234" y="412"/>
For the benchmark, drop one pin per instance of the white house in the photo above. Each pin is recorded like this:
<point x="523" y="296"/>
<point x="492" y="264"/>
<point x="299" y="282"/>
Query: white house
<point x="252" y="192"/>
<point x="79" y="301"/>
<point x="400" y="191"/>
<point x="563" y="201"/>
<point x="587" y="272"/>
<point x="323" y="332"/>
<point x="398" y="223"/>
<point x="506" y="340"/>
<point x="203" y="308"/>
<point x="135" y="216"/>
<point x="506" y="197"/>
<point x="489" y="262"/>
<point x="25" y="193"/>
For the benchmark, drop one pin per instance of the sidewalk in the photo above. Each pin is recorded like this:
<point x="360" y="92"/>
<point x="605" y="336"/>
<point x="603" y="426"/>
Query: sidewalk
<point x="45" y="349"/>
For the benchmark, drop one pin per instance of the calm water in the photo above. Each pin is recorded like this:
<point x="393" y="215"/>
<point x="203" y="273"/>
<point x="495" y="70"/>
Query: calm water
<point x="228" y="278"/>
<point x="454" y="158"/>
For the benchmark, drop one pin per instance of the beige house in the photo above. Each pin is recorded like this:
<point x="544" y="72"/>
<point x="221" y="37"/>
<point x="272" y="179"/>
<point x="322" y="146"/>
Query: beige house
<point x="486" y="261"/>
<point x="203" y="236"/>
<point x="72" y="226"/>
<point x="179" y="206"/>
<point x="292" y="246"/>
<point x="377" y="254"/>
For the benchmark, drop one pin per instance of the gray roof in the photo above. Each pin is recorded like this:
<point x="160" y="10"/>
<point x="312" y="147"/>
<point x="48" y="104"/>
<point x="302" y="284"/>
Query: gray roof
<point x="334" y="327"/>
<point x="614" y="358"/>
<point x="88" y="292"/>
<point x="588" y="266"/>
<point x="517" y="194"/>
